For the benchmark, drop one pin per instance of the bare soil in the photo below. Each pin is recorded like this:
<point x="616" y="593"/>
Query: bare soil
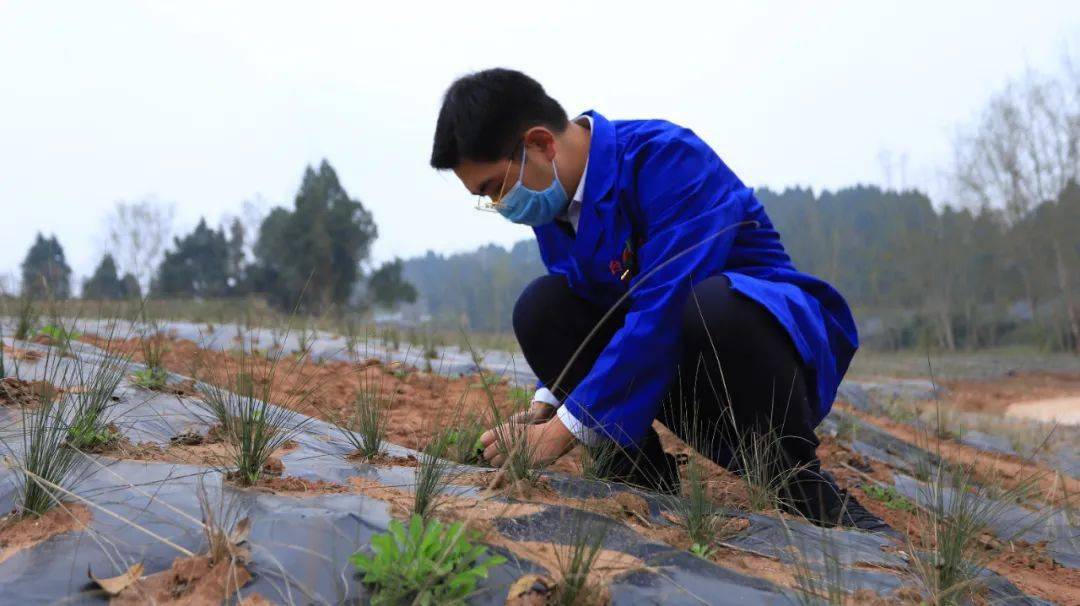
<point x="18" y="533"/>
<point x="19" y="393"/>
<point x="1062" y="409"/>
<point x="191" y="581"/>
<point x="1009" y="470"/>
<point x="997" y="394"/>
<point x="19" y="354"/>
<point x="425" y="403"/>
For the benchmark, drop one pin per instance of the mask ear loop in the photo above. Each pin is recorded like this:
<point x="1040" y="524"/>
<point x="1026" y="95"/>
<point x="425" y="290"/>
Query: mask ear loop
<point x="521" y="174"/>
<point x="494" y="203"/>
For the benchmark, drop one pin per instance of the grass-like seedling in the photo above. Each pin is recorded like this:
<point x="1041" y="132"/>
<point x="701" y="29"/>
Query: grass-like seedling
<point x="305" y="339"/>
<point x="598" y="460"/>
<point x="26" y="317"/>
<point x="576" y="561"/>
<point x="365" y="429"/>
<point x="847" y="429"/>
<point x="59" y="336"/>
<point x="254" y="428"/>
<point x="899" y="411"/>
<point x="423" y="563"/>
<point x="763" y="469"/>
<point x="41" y="459"/>
<point x="956" y="513"/>
<point x="433" y="475"/>
<point x="818" y="584"/>
<point x="463" y="437"/>
<point x="153" y="344"/>
<point x="391" y="339"/>
<point x="225" y="527"/>
<point x="889" y="497"/>
<point x="89" y="425"/>
<point x="694" y="508"/>
<point x="352" y="339"/>
<point x="520" y="465"/>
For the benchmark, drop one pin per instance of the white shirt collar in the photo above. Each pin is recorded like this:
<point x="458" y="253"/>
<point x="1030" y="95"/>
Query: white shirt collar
<point x="573" y="211"/>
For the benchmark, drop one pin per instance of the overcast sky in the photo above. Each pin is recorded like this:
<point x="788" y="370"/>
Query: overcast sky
<point x="206" y="104"/>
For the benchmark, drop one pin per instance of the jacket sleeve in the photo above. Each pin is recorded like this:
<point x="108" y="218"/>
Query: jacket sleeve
<point x="686" y="197"/>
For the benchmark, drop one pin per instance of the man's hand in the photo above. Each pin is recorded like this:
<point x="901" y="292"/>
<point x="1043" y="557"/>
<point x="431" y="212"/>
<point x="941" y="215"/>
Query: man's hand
<point x="538" y="412"/>
<point x="546" y="441"/>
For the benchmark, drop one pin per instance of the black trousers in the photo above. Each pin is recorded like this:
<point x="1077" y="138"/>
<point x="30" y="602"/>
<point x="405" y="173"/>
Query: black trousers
<point x="739" y="378"/>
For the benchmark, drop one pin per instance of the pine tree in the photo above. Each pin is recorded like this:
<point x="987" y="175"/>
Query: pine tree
<point x="45" y="272"/>
<point x="197" y="267"/>
<point x="387" y="288"/>
<point x="312" y="254"/>
<point x="104" y="284"/>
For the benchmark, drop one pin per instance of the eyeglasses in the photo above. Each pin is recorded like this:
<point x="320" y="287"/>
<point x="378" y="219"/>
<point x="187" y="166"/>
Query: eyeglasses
<point x="492" y="204"/>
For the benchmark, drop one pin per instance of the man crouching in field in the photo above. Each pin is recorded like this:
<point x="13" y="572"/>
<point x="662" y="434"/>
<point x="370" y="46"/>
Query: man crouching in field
<point x="714" y="333"/>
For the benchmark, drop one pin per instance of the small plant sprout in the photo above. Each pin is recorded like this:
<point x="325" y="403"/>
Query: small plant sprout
<point x="41" y="460"/>
<point x="463" y="438"/>
<point x="702" y="551"/>
<point x="519" y="470"/>
<point x="758" y="454"/>
<point x="224" y="525"/>
<point x="576" y="584"/>
<point x="254" y="428"/>
<point x="153" y="345"/>
<point x="695" y="510"/>
<point x="366" y="428"/>
<point x="847" y="429"/>
<point x="305" y="339"/>
<point x="90" y="428"/>
<point x="59" y="335"/>
<point x="818" y="583"/>
<point x="26" y="317"/>
<point x="889" y="497"/>
<point x="693" y="504"/>
<point x="598" y="460"/>
<point x="433" y="475"/>
<point x="424" y="563"/>
<point x="352" y="339"/>
<point x="955" y="513"/>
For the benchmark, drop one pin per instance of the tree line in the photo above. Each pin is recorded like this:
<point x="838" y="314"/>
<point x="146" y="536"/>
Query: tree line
<point x="953" y="279"/>
<point x="995" y="265"/>
<point x="309" y="257"/>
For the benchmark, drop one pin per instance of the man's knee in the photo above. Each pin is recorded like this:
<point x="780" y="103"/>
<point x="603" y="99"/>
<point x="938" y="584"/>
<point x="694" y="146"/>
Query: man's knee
<point x="536" y="304"/>
<point x="706" y="312"/>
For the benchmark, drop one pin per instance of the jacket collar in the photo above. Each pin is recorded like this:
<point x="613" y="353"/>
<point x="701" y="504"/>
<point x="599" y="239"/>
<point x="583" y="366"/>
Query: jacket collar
<point x="602" y="170"/>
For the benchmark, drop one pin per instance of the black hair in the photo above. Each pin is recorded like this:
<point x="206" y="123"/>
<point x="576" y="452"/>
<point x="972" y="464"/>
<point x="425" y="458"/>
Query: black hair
<point x="485" y="113"/>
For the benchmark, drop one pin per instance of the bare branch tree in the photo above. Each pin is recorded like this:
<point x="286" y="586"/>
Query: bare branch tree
<point x="138" y="233"/>
<point x="1023" y="152"/>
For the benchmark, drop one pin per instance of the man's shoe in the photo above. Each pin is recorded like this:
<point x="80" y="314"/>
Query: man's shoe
<point x="849" y="512"/>
<point x="826" y="504"/>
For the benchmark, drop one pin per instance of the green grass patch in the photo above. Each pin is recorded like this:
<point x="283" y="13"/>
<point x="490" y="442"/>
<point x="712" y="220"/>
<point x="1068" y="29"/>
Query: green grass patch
<point x="423" y="563"/>
<point x="889" y="497"/>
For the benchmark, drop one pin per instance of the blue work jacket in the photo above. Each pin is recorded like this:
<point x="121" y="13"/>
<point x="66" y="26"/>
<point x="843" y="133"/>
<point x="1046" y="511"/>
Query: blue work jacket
<point x="654" y="190"/>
